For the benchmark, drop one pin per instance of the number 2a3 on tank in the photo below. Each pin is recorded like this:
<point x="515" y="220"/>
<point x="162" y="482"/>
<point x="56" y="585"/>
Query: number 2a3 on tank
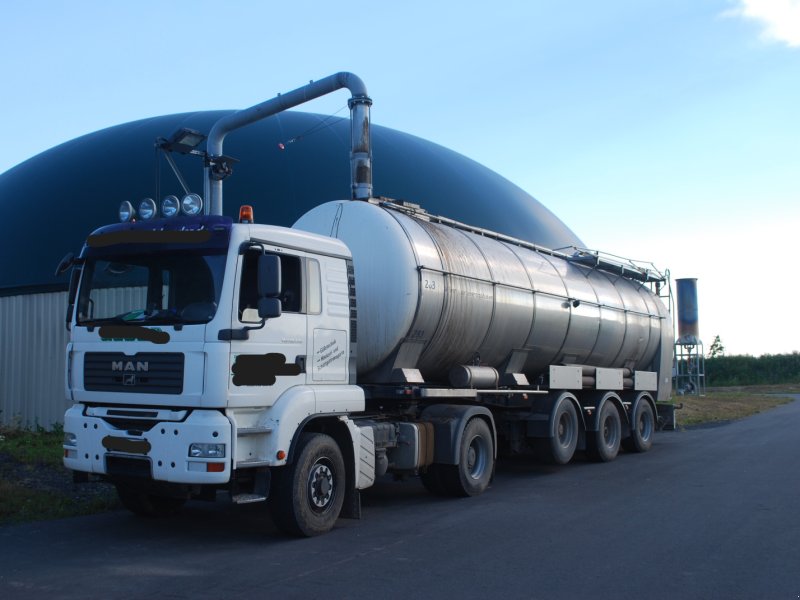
<point x="431" y="281"/>
<point x="329" y="358"/>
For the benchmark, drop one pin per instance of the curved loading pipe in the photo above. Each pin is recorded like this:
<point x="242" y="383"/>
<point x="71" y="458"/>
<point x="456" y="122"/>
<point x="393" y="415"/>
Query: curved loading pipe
<point x="360" y="151"/>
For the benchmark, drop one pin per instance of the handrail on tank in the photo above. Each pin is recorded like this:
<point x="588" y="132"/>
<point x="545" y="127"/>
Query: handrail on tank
<point x="217" y="167"/>
<point x="624" y="267"/>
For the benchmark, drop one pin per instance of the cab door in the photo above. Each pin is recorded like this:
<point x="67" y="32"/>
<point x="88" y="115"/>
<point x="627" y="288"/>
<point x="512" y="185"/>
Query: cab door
<point x="273" y="358"/>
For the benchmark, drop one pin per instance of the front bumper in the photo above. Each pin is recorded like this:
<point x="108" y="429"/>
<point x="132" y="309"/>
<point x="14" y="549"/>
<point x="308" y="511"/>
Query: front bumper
<point x="156" y="448"/>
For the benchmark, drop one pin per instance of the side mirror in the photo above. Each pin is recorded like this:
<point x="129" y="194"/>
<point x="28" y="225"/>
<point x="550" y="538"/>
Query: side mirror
<point x="269" y="276"/>
<point x="269" y="308"/>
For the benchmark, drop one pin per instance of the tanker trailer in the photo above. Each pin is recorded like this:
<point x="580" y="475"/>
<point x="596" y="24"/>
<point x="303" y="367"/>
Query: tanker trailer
<point x="583" y="350"/>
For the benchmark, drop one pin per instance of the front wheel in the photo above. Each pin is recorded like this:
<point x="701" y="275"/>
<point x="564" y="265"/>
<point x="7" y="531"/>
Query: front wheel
<point x="471" y="476"/>
<point x="308" y="494"/>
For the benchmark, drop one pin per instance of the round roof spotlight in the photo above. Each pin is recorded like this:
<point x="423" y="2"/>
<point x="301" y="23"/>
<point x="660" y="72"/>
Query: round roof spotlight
<point x="147" y="209"/>
<point x="126" y="212"/>
<point x="191" y="205"/>
<point x="170" y="206"/>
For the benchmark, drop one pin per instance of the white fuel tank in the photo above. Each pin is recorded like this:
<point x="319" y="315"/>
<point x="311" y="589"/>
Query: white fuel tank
<point x="431" y="296"/>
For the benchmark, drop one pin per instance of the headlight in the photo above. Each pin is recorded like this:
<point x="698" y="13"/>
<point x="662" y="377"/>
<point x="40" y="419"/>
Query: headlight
<point x="147" y="209"/>
<point x="207" y="451"/>
<point x="126" y="212"/>
<point x="170" y="206"/>
<point x="191" y="205"/>
<point x="70" y="439"/>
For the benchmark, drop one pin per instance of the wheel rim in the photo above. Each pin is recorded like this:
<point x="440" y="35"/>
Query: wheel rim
<point x="477" y="457"/>
<point x="321" y="485"/>
<point x="610" y="431"/>
<point x="566" y="430"/>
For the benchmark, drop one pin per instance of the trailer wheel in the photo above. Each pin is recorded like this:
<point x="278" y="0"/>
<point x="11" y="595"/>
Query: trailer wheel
<point x="476" y="462"/>
<point x="560" y="448"/>
<point x="644" y="426"/>
<point x="309" y="493"/>
<point x="148" y="505"/>
<point x="604" y="443"/>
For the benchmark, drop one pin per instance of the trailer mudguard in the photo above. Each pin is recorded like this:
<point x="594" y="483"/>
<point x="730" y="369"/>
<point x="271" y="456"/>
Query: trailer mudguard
<point x="449" y="421"/>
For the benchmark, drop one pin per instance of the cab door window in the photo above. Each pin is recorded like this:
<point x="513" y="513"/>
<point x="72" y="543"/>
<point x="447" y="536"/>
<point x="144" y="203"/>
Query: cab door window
<point x="292" y="299"/>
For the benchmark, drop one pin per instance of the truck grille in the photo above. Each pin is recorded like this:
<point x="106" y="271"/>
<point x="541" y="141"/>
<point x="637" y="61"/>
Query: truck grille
<point x="145" y="372"/>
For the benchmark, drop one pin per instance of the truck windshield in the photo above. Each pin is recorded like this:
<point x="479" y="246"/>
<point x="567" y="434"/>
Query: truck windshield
<point x="167" y="287"/>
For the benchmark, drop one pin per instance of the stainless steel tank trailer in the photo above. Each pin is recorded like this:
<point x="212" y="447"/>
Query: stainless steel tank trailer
<point x="299" y="365"/>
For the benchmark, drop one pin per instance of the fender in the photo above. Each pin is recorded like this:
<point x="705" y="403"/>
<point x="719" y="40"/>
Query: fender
<point x="644" y="397"/>
<point x="449" y="421"/>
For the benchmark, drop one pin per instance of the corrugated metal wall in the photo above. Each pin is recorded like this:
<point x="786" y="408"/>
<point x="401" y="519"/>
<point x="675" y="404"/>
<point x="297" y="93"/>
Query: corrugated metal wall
<point x="33" y="340"/>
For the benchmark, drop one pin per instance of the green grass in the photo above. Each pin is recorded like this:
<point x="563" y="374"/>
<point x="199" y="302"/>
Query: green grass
<point x="33" y="447"/>
<point x="724" y="405"/>
<point x="35" y="486"/>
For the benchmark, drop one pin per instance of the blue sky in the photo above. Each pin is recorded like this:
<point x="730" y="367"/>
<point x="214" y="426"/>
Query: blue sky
<point x="666" y="131"/>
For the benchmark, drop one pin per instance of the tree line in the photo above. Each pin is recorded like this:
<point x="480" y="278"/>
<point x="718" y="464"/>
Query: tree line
<point x="753" y="370"/>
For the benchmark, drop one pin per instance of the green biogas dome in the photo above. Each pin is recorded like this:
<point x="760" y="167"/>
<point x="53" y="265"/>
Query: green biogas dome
<point x="286" y="165"/>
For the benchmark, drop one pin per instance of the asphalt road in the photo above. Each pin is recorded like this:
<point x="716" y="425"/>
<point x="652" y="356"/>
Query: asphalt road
<point x="707" y="513"/>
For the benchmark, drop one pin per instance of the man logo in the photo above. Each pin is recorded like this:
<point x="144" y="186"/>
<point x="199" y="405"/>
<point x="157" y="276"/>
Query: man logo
<point x="140" y="366"/>
<point x="129" y="379"/>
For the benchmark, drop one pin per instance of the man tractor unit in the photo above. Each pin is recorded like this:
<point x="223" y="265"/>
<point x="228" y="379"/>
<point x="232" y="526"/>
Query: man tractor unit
<point x="298" y="365"/>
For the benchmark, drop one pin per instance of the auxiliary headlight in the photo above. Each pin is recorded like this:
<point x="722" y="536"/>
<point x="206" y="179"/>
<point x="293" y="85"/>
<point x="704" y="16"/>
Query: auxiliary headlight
<point x="207" y="450"/>
<point x="126" y="212"/>
<point x="147" y="209"/>
<point x="191" y="205"/>
<point x="170" y="206"/>
<point x="70" y="439"/>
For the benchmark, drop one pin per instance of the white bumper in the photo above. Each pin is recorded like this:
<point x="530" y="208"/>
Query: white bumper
<point x="162" y="451"/>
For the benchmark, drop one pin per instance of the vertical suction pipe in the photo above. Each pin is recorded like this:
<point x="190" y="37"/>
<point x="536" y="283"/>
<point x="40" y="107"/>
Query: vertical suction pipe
<point x="360" y="152"/>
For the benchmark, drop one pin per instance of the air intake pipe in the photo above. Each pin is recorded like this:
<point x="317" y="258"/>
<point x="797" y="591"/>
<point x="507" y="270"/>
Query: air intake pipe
<point x="360" y="151"/>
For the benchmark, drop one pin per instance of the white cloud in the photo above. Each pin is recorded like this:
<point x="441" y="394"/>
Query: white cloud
<point x="780" y="18"/>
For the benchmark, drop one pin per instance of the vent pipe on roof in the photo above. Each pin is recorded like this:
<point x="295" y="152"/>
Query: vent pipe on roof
<point x="217" y="167"/>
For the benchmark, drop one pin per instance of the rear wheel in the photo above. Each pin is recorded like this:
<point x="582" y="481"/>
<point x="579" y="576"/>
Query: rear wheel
<point x="148" y="505"/>
<point x="309" y="493"/>
<point x="560" y="448"/>
<point x="642" y="428"/>
<point x="476" y="462"/>
<point x="604" y="443"/>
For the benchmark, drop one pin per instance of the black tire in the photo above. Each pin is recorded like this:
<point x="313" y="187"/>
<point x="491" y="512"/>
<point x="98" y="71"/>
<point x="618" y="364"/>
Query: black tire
<point x="307" y="495"/>
<point x="603" y="444"/>
<point x="471" y="476"/>
<point x="560" y="448"/>
<point x="643" y="427"/>
<point x="148" y="505"/>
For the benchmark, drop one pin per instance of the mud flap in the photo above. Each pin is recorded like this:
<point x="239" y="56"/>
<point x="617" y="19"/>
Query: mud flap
<point x="351" y="509"/>
<point x="666" y="415"/>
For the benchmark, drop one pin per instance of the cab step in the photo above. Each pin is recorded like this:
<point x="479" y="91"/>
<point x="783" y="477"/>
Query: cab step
<point x="247" y="498"/>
